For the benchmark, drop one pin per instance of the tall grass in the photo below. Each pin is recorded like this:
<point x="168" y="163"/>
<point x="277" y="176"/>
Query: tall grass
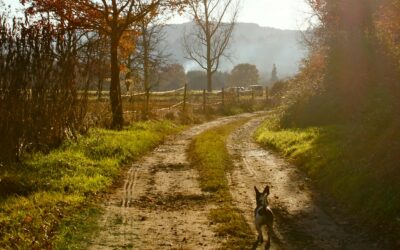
<point x="47" y="189"/>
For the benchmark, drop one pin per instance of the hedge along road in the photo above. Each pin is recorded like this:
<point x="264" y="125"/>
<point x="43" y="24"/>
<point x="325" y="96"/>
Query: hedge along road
<point x="161" y="206"/>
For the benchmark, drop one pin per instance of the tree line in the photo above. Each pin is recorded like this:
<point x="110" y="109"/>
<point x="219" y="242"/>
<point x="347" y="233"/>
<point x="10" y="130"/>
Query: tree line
<point x="166" y="76"/>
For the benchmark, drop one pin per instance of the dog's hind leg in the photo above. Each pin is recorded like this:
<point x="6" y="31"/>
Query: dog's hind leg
<point x="260" y="236"/>
<point x="270" y="228"/>
<point x="268" y="243"/>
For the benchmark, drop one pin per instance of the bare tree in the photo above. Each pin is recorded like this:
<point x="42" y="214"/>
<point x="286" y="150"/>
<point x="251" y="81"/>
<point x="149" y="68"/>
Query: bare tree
<point x="100" y="60"/>
<point x="150" y="57"/>
<point x="207" y="42"/>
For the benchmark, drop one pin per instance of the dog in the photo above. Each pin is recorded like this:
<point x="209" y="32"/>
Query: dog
<point x="263" y="216"/>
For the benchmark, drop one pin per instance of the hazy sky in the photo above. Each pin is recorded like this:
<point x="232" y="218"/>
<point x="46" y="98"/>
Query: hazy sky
<point x="283" y="14"/>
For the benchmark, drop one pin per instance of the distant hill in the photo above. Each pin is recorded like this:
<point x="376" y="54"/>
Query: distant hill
<point x="251" y="43"/>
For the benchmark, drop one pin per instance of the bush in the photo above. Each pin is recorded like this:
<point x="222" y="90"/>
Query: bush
<point x="41" y="102"/>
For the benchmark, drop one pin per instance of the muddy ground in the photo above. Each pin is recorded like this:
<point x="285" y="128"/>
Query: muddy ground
<point x="161" y="206"/>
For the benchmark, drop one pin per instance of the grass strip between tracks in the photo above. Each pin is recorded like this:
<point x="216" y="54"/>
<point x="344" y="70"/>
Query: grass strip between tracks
<point x="209" y="155"/>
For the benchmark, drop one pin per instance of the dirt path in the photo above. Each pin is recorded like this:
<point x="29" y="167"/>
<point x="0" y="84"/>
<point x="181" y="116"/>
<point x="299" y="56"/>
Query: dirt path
<point x="160" y="205"/>
<point x="300" y="221"/>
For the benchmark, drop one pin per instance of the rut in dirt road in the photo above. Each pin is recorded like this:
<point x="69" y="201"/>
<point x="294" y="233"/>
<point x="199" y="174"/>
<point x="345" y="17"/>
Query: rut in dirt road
<point x="160" y="205"/>
<point x="300" y="222"/>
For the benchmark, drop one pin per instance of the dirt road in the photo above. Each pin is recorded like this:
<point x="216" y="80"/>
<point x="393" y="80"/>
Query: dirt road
<point x="161" y="206"/>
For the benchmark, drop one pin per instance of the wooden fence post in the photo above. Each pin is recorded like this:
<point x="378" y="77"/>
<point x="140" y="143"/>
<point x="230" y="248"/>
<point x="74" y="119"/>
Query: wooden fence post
<point x="133" y="101"/>
<point x="204" y="100"/>
<point x="184" y="98"/>
<point x="223" y="97"/>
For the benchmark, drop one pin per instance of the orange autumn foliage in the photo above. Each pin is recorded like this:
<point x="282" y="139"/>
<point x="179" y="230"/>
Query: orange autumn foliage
<point x="110" y="17"/>
<point x="388" y="27"/>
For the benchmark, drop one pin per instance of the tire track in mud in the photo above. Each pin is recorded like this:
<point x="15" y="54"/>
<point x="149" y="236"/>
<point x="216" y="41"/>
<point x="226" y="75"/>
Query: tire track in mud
<point x="129" y="185"/>
<point x="300" y="222"/>
<point x="160" y="204"/>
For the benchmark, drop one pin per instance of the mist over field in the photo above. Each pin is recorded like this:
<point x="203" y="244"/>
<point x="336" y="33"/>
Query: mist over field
<point x="251" y="43"/>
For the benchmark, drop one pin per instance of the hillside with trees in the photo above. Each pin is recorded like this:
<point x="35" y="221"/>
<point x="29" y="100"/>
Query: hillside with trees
<point x="250" y="43"/>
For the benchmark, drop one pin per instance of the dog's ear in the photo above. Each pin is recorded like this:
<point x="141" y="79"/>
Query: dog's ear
<point x="266" y="190"/>
<point x="257" y="192"/>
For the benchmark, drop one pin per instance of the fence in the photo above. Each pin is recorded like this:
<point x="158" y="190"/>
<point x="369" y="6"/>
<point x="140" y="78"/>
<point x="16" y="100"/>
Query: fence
<point x="183" y="100"/>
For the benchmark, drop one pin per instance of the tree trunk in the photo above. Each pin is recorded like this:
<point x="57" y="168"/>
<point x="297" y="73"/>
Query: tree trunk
<point x="99" y="88"/>
<point x="146" y="66"/>
<point x="208" y="42"/>
<point x="209" y="66"/>
<point x="209" y="80"/>
<point x="147" y="105"/>
<point x="115" y="87"/>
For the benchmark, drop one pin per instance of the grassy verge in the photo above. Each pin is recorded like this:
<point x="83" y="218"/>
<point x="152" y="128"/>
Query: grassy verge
<point x="210" y="156"/>
<point x="45" y="201"/>
<point x="351" y="162"/>
<point x="76" y="230"/>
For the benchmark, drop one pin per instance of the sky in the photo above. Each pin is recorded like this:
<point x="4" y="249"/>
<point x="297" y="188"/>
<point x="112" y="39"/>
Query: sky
<point x="281" y="14"/>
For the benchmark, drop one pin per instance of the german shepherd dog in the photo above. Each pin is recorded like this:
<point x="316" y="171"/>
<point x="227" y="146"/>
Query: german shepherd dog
<point x="263" y="216"/>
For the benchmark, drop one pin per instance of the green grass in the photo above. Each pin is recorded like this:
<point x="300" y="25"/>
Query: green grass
<point x="351" y="162"/>
<point x="76" y="230"/>
<point x="44" y="198"/>
<point x="210" y="156"/>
